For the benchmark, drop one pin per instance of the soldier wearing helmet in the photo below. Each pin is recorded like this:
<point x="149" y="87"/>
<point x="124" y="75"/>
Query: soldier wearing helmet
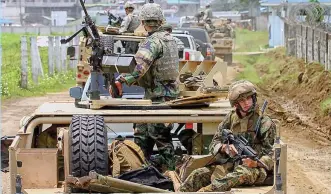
<point x="130" y="21"/>
<point x="208" y="13"/>
<point x="199" y="15"/>
<point x="241" y="121"/>
<point x="156" y="70"/>
<point x="180" y="44"/>
<point x="128" y="25"/>
<point x="210" y="28"/>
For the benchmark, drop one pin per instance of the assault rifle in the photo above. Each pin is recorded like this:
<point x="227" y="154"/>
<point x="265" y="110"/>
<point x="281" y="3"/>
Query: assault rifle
<point x="90" y="31"/>
<point x="241" y="144"/>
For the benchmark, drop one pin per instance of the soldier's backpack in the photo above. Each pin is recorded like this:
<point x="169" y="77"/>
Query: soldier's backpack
<point x="125" y="156"/>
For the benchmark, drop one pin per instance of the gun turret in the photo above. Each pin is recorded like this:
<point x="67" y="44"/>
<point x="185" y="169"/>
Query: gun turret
<point x="91" y="32"/>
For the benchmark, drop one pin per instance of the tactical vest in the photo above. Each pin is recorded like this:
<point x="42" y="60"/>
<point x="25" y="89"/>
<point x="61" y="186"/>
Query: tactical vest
<point x="246" y="127"/>
<point x="166" y="66"/>
<point x="134" y="23"/>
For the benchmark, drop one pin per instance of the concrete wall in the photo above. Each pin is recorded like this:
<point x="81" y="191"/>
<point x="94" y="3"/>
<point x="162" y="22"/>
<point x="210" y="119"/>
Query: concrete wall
<point x="262" y="23"/>
<point x="12" y="13"/>
<point x="42" y="30"/>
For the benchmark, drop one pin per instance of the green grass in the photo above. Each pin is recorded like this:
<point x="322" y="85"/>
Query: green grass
<point x="326" y="106"/>
<point x="250" y="63"/>
<point x="249" y="41"/>
<point x="11" y="71"/>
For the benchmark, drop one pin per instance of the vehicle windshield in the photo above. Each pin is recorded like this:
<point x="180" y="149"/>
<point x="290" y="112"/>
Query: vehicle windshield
<point x="101" y="20"/>
<point x="184" y="39"/>
<point x="198" y="34"/>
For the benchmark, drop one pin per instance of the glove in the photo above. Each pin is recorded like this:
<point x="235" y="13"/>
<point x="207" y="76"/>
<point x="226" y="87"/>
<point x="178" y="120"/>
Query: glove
<point x="231" y="150"/>
<point x="119" y="88"/>
<point x="249" y="162"/>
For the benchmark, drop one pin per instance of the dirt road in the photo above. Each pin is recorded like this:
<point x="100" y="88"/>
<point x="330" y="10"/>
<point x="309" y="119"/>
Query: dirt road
<point x="12" y="111"/>
<point x="309" y="166"/>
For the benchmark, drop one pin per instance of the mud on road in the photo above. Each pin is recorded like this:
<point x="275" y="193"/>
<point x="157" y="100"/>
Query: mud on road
<point x="297" y="94"/>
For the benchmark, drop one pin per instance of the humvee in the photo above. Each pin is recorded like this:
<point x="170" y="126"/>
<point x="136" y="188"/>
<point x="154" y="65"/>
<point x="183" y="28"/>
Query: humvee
<point x="61" y="139"/>
<point x="36" y="169"/>
<point x="222" y="44"/>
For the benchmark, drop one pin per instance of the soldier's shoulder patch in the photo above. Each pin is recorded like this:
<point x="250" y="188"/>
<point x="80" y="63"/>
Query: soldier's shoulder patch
<point x="146" y="44"/>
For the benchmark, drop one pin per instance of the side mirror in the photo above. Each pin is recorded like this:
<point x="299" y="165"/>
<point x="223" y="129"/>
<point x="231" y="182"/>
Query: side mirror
<point x="76" y="92"/>
<point x="71" y="51"/>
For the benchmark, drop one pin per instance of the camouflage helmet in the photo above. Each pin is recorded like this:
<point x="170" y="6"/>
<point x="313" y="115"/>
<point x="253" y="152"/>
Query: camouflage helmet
<point x="240" y="89"/>
<point x="167" y="26"/>
<point x="151" y="12"/>
<point x="128" y="4"/>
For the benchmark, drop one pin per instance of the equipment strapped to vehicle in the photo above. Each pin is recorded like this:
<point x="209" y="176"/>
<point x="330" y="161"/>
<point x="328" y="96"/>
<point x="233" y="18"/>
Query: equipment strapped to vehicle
<point x="125" y="156"/>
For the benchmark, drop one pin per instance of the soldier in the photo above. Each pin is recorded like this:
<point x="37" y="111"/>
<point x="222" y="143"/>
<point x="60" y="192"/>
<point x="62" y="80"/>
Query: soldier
<point x="180" y="44"/>
<point x="130" y="21"/>
<point x="156" y="70"/>
<point x="208" y="14"/>
<point x="199" y="15"/>
<point x="210" y="28"/>
<point x="229" y="30"/>
<point x="129" y="24"/>
<point x="241" y="121"/>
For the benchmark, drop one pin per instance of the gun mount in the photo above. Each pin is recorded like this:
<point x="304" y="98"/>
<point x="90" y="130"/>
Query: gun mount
<point x="104" y="62"/>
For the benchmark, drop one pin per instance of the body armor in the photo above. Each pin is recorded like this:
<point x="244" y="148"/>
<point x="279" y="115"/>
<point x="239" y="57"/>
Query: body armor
<point x="166" y="67"/>
<point x="134" y="23"/>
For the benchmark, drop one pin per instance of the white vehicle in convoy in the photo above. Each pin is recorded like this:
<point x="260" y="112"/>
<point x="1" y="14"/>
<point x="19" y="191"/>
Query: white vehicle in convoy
<point x="190" y="46"/>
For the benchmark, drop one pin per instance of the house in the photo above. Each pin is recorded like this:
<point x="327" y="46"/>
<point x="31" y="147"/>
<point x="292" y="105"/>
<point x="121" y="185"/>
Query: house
<point x="275" y="20"/>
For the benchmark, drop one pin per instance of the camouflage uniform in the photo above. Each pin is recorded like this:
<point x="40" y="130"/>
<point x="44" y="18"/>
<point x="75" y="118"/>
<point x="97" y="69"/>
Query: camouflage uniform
<point x="210" y="28"/>
<point x="129" y="25"/>
<point x="180" y="44"/>
<point x="200" y="179"/>
<point x="156" y="70"/>
<point x="208" y="14"/>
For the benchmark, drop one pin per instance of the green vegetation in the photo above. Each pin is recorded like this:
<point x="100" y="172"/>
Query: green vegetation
<point x="11" y="71"/>
<point x="249" y="41"/>
<point x="326" y="106"/>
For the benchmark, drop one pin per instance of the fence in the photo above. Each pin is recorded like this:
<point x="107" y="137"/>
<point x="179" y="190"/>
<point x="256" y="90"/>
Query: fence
<point x="57" y="58"/>
<point x="308" y="43"/>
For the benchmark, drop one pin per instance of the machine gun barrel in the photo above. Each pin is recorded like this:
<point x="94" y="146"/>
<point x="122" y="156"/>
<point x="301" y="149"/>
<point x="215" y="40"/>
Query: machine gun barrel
<point x="84" y="8"/>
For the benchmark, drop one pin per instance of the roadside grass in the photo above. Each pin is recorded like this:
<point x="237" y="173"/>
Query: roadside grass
<point x="249" y="41"/>
<point x="326" y="106"/>
<point x="11" y="71"/>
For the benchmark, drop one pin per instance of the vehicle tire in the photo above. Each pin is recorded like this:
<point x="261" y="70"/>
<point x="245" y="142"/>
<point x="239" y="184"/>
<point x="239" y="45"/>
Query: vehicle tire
<point x="88" y="146"/>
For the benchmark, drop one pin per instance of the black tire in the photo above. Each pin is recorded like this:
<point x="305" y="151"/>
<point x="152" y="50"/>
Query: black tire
<point x="88" y="146"/>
